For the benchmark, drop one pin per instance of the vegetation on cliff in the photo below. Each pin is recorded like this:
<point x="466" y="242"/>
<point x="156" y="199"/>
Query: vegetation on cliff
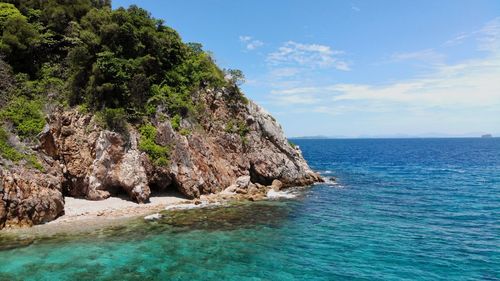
<point x="122" y="63"/>
<point x="95" y="101"/>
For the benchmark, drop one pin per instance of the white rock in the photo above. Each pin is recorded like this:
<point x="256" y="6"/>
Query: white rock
<point x="243" y="181"/>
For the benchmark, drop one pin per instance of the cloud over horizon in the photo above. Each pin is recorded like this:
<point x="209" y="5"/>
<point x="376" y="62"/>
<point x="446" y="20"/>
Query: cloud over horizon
<point x="455" y="92"/>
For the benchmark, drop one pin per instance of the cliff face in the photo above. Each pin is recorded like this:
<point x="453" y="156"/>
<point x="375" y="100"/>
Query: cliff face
<point x="228" y="143"/>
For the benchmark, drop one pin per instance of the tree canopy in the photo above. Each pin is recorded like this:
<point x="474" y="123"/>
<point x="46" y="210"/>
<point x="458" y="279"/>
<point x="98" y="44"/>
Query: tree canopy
<point x="84" y="52"/>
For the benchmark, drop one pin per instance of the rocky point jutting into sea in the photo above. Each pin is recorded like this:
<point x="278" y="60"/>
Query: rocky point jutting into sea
<point x="80" y="159"/>
<point x="98" y="102"/>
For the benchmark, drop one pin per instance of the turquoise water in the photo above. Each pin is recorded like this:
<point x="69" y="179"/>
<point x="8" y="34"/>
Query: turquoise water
<point x="423" y="209"/>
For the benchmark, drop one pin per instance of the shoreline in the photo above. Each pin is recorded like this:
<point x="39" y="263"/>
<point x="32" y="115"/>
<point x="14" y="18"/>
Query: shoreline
<point x="82" y="215"/>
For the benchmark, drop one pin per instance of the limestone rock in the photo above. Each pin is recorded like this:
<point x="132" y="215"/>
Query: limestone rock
<point x="117" y="166"/>
<point x="276" y="185"/>
<point x="28" y="197"/>
<point x="243" y="181"/>
<point x="231" y="189"/>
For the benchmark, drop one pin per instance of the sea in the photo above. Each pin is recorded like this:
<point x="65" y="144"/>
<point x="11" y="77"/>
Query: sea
<point x="390" y="209"/>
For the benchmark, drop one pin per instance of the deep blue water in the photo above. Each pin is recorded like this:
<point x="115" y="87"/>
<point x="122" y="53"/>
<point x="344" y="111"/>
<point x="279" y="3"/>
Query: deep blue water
<point x="412" y="209"/>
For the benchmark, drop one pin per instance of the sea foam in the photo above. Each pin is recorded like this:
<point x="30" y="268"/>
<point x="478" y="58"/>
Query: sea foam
<point x="191" y="206"/>
<point x="271" y="194"/>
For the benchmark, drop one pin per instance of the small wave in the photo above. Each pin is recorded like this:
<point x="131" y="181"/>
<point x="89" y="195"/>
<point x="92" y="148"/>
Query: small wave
<point x="332" y="182"/>
<point x="326" y="172"/>
<point x="191" y="206"/>
<point x="153" y="217"/>
<point x="271" y="194"/>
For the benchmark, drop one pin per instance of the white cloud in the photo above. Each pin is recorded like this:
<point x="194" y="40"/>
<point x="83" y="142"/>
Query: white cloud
<point x="457" y="40"/>
<point x="355" y="8"/>
<point x="296" y="100"/>
<point x="284" y="72"/>
<point x="469" y="85"/>
<point x="245" y="38"/>
<point x="294" y="91"/>
<point x="251" y="43"/>
<point x="489" y="39"/>
<point x="427" y="55"/>
<point x="307" y="55"/>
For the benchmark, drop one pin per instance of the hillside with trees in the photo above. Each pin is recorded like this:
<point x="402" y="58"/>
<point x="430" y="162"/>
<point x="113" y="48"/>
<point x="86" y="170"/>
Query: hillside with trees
<point x="96" y="101"/>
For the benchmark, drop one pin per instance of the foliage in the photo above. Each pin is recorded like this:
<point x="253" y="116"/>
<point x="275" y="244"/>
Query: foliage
<point x="185" y="131"/>
<point x="236" y="76"/>
<point x="7" y="151"/>
<point x="243" y="129"/>
<point x="83" y="108"/>
<point x="49" y="87"/>
<point x="25" y="115"/>
<point x="7" y="12"/>
<point x="122" y="64"/>
<point x="33" y="162"/>
<point x="114" y="119"/>
<point x="121" y="58"/>
<point x="239" y="127"/>
<point x="176" y="103"/>
<point x="6" y="83"/>
<point x="19" y="39"/>
<point x="157" y="154"/>
<point x="293" y="145"/>
<point x="176" y="122"/>
<point x="230" y="127"/>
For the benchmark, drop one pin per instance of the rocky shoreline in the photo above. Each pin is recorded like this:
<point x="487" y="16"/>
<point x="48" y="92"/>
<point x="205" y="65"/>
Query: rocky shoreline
<point x="232" y="148"/>
<point x="84" y="216"/>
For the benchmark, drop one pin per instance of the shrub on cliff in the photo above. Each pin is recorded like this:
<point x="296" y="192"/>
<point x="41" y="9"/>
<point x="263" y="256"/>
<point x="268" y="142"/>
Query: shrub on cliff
<point x="113" y="119"/>
<point x="239" y="127"/>
<point x="157" y="154"/>
<point x="25" y="116"/>
<point x="7" y="151"/>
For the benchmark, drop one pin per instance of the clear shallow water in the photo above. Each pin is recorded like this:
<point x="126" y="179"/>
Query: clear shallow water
<point x="423" y="209"/>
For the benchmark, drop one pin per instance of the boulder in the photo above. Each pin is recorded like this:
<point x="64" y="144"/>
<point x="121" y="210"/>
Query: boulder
<point x="243" y="182"/>
<point x="277" y="185"/>
<point x="231" y="189"/>
<point x="28" y="197"/>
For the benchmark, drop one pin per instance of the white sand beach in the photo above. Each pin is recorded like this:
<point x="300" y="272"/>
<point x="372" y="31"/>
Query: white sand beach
<point x="83" y="215"/>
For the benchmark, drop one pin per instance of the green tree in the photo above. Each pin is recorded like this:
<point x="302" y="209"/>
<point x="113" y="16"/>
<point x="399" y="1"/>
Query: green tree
<point x="18" y="40"/>
<point x="236" y="76"/>
<point x="7" y="11"/>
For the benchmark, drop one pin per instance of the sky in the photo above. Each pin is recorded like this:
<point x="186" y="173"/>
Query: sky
<point x="355" y="68"/>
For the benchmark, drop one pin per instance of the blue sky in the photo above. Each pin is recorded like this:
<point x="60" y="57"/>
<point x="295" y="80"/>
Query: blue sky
<point x="355" y="68"/>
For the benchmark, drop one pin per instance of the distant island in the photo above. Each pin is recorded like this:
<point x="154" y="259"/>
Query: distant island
<point x="398" y="136"/>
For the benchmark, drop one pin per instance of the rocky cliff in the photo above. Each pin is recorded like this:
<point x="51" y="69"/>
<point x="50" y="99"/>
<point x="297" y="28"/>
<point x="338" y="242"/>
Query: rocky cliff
<point x="229" y="143"/>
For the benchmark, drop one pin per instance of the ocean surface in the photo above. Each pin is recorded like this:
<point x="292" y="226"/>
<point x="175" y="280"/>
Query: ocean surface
<point x="400" y="209"/>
